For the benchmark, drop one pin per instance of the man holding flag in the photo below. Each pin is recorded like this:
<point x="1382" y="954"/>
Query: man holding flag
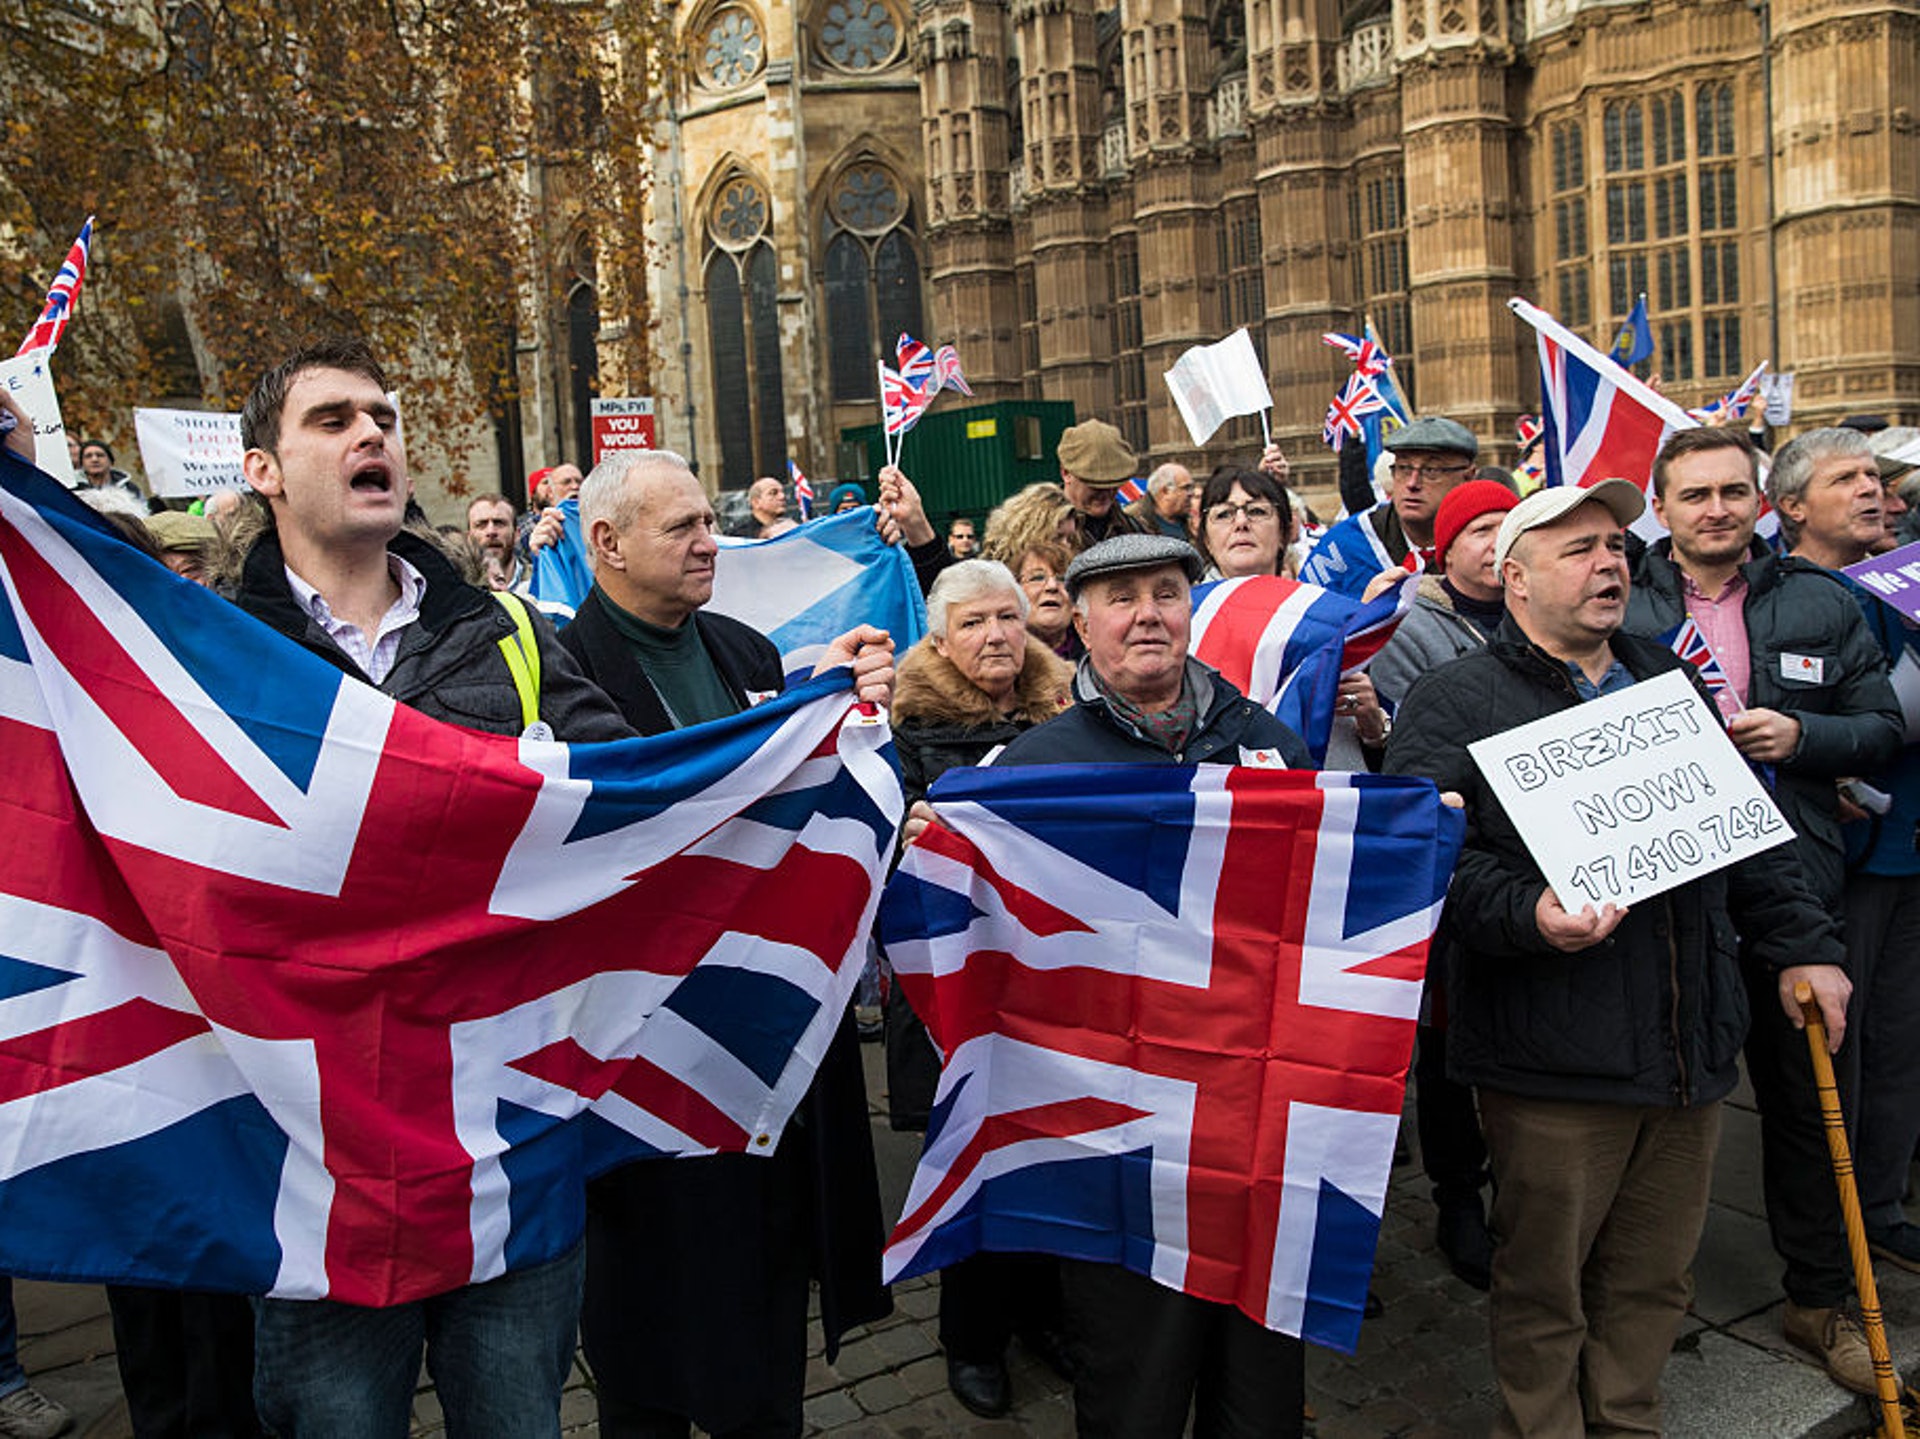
<point x="1806" y="695"/>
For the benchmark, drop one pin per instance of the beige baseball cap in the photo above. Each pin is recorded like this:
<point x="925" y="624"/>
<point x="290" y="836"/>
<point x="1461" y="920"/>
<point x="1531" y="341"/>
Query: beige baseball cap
<point x="1549" y="504"/>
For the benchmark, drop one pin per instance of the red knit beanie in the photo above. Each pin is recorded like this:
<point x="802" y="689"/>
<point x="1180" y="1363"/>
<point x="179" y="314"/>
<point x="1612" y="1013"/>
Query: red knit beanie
<point x="1462" y="506"/>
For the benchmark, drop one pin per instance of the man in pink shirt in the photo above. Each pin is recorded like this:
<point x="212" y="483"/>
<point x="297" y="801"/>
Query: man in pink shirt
<point x="1808" y="703"/>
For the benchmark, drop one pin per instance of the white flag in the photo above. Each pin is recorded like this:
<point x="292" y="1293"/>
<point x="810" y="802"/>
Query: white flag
<point x="1213" y="383"/>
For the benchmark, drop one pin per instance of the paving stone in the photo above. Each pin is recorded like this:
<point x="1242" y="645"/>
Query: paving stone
<point x="832" y="1409"/>
<point x="820" y="1377"/>
<point x="924" y="1376"/>
<point x="881" y="1393"/>
<point x="1728" y="1283"/>
<point x="77" y="1343"/>
<point x="1726" y="1387"/>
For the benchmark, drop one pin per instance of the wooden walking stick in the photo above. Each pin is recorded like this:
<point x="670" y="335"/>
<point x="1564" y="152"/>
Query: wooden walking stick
<point x="1884" y="1379"/>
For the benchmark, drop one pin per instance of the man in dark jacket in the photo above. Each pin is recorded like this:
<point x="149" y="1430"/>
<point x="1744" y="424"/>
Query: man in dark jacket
<point x="1807" y="696"/>
<point x="698" y="1269"/>
<point x="1146" y="1355"/>
<point x="1600" y="1042"/>
<point x="329" y="566"/>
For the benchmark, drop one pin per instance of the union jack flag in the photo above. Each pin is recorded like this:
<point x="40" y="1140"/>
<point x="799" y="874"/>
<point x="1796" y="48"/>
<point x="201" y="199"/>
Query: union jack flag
<point x="919" y="366"/>
<point x="1348" y="409"/>
<point x="1176" y="1005"/>
<point x="902" y="403"/>
<point x="46" y="331"/>
<point x="1734" y="404"/>
<point x="1601" y="421"/>
<point x="1685" y="640"/>
<point x="1365" y="352"/>
<point x="1287" y="645"/>
<point x="1130" y="491"/>
<point x="1356" y="412"/>
<point x="1531" y="470"/>
<point x="352" y="999"/>
<point x="946" y="364"/>
<point x="802" y="489"/>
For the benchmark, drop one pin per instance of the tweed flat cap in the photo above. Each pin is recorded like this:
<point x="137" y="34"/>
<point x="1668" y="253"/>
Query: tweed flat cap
<point x="1435" y="434"/>
<point x="1096" y="452"/>
<point x="1133" y="552"/>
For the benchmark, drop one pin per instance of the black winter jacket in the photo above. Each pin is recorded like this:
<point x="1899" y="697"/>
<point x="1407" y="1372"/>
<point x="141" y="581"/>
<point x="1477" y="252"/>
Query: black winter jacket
<point x="449" y="665"/>
<point x="1092" y="733"/>
<point x="1849" y="720"/>
<point x="1654" y="1014"/>
<point x="746" y="659"/>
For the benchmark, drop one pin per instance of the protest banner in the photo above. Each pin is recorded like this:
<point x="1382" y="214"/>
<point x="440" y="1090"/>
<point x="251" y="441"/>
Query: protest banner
<point x="1630" y="795"/>
<point x="1213" y="383"/>
<point x="622" y="424"/>
<point x="187" y="453"/>
<point x="29" y="384"/>
<point x="1894" y="577"/>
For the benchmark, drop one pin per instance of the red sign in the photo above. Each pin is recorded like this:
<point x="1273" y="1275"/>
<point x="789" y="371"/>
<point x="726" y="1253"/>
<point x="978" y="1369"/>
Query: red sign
<point x="622" y="425"/>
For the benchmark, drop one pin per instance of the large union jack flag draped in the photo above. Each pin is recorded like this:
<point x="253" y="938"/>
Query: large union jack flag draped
<point x="1177" y="1005"/>
<point x="61" y="294"/>
<point x="1287" y="645"/>
<point x="302" y="992"/>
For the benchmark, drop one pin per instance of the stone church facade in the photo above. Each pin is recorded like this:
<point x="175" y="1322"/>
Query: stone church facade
<point x="1074" y="194"/>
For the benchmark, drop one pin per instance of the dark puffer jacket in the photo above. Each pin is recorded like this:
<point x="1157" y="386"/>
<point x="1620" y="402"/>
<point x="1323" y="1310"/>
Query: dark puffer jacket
<point x="1655" y="1013"/>
<point x="1849" y="720"/>
<point x="449" y="665"/>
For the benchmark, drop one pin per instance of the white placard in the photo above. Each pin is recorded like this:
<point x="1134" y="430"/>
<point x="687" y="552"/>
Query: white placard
<point x="189" y="452"/>
<point x="1213" y="383"/>
<point x="1630" y="795"/>
<point x="29" y="383"/>
<point x="1776" y="393"/>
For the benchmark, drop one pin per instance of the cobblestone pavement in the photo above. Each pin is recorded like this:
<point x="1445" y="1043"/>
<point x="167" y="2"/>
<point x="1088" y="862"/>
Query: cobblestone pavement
<point x="1421" y="1371"/>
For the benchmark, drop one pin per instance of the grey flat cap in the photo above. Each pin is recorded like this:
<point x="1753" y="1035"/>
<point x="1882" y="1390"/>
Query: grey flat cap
<point x="1435" y="433"/>
<point x="1132" y="552"/>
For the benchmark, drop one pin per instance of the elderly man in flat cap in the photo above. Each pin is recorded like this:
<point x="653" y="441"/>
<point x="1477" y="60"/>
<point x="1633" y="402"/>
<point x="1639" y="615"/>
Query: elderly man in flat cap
<point x="1148" y="1357"/>
<point x="1430" y="457"/>
<point x="1095" y="460"/>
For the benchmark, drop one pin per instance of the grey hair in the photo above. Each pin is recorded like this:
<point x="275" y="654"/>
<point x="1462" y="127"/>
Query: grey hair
<point x="606" y="495"/>
<point x="1793" y="468"/>
<point x="1163" y="478"/>
<point x="966" y="582"/>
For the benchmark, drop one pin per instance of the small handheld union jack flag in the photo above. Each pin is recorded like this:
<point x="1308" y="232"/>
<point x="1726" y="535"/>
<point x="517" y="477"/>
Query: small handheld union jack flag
<point x="1358" y="399"/>
<point x="946" y="369"/>
<point x="1685" y="640"/>
<point x="919" y="366"/>
<point x="52" y="324"/>
<point x="1365" y="352"/>
<point x="802" y="490"/>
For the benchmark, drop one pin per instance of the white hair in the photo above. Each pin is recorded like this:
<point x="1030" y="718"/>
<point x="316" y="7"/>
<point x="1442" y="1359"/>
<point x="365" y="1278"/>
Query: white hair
<point x="1165" y="477"/>
<point x="965" y="582"/>
<point x="605" y="493"/>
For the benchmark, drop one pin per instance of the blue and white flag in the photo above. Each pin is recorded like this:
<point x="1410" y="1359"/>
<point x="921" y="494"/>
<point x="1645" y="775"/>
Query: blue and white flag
<point x="562" y="574"/>
<point x="816" y="582"/>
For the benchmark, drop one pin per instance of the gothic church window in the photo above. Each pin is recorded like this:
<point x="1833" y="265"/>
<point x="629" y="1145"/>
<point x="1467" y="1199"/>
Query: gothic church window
<point x="743" y="333"/>
<point x="1130" y="364"/>
<point x="1573" y="299"/>
<point x="1378" y="215"/>
<point x="729" y="49"/>
<point x="872" y="274"/>
<point x="859" y="35"/>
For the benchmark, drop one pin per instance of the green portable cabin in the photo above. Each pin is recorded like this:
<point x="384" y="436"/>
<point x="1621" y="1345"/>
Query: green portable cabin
<point x="964" y="460"/>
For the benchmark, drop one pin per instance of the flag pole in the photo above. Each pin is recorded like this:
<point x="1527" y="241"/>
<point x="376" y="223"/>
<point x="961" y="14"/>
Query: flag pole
<point x="1266" y="429"/>
<point x="886" y="440"/>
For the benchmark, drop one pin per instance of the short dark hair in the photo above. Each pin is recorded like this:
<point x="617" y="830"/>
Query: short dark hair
<point x="86" y="445"/>
<point x="260" y="416"/>
<point x="1699" y="441"/>
<point x="1257" y="483"/>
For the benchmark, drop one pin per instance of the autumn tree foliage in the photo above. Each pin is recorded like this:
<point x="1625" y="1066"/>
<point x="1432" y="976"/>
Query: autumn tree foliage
<point x="264" y="170"/>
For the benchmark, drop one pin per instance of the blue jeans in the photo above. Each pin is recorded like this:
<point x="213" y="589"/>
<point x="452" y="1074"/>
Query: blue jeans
<point x="498" y="1353"/>
<point x="12" y="1376"/>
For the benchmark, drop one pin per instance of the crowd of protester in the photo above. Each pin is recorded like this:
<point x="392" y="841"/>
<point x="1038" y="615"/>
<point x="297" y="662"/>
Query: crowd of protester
<point x="1571" y="1063"/>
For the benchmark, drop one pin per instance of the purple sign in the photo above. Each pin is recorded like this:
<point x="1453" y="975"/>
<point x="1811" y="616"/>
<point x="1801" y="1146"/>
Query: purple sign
<point x="1894" y="576"/>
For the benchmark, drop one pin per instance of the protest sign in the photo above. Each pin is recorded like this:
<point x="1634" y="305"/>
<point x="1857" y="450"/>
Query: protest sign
<point x="29" y="384"/>
<point x="1213" y="383"/>
<point x="622" y="424"/>
<point x="1630" y="795"/>
<point x="189" y="452"/>
<point x="1894" y="577"/>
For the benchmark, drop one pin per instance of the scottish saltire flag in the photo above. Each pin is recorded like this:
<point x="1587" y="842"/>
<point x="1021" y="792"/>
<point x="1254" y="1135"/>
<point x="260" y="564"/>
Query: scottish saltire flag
<point x="1602" y="422"/>
<point x="305" y="993"/>
<point x="946" y="369"/>
<point x="1685" y="640"/>
<point x="562" y="572"/>
<point x="61" y="294"/>
<point x="1177" y="1005"/>
<point x="802" y="489"/>
<point x="1634" y="341"/>
<point x="804" y="588"/>
<point x="1287" y="645"/>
